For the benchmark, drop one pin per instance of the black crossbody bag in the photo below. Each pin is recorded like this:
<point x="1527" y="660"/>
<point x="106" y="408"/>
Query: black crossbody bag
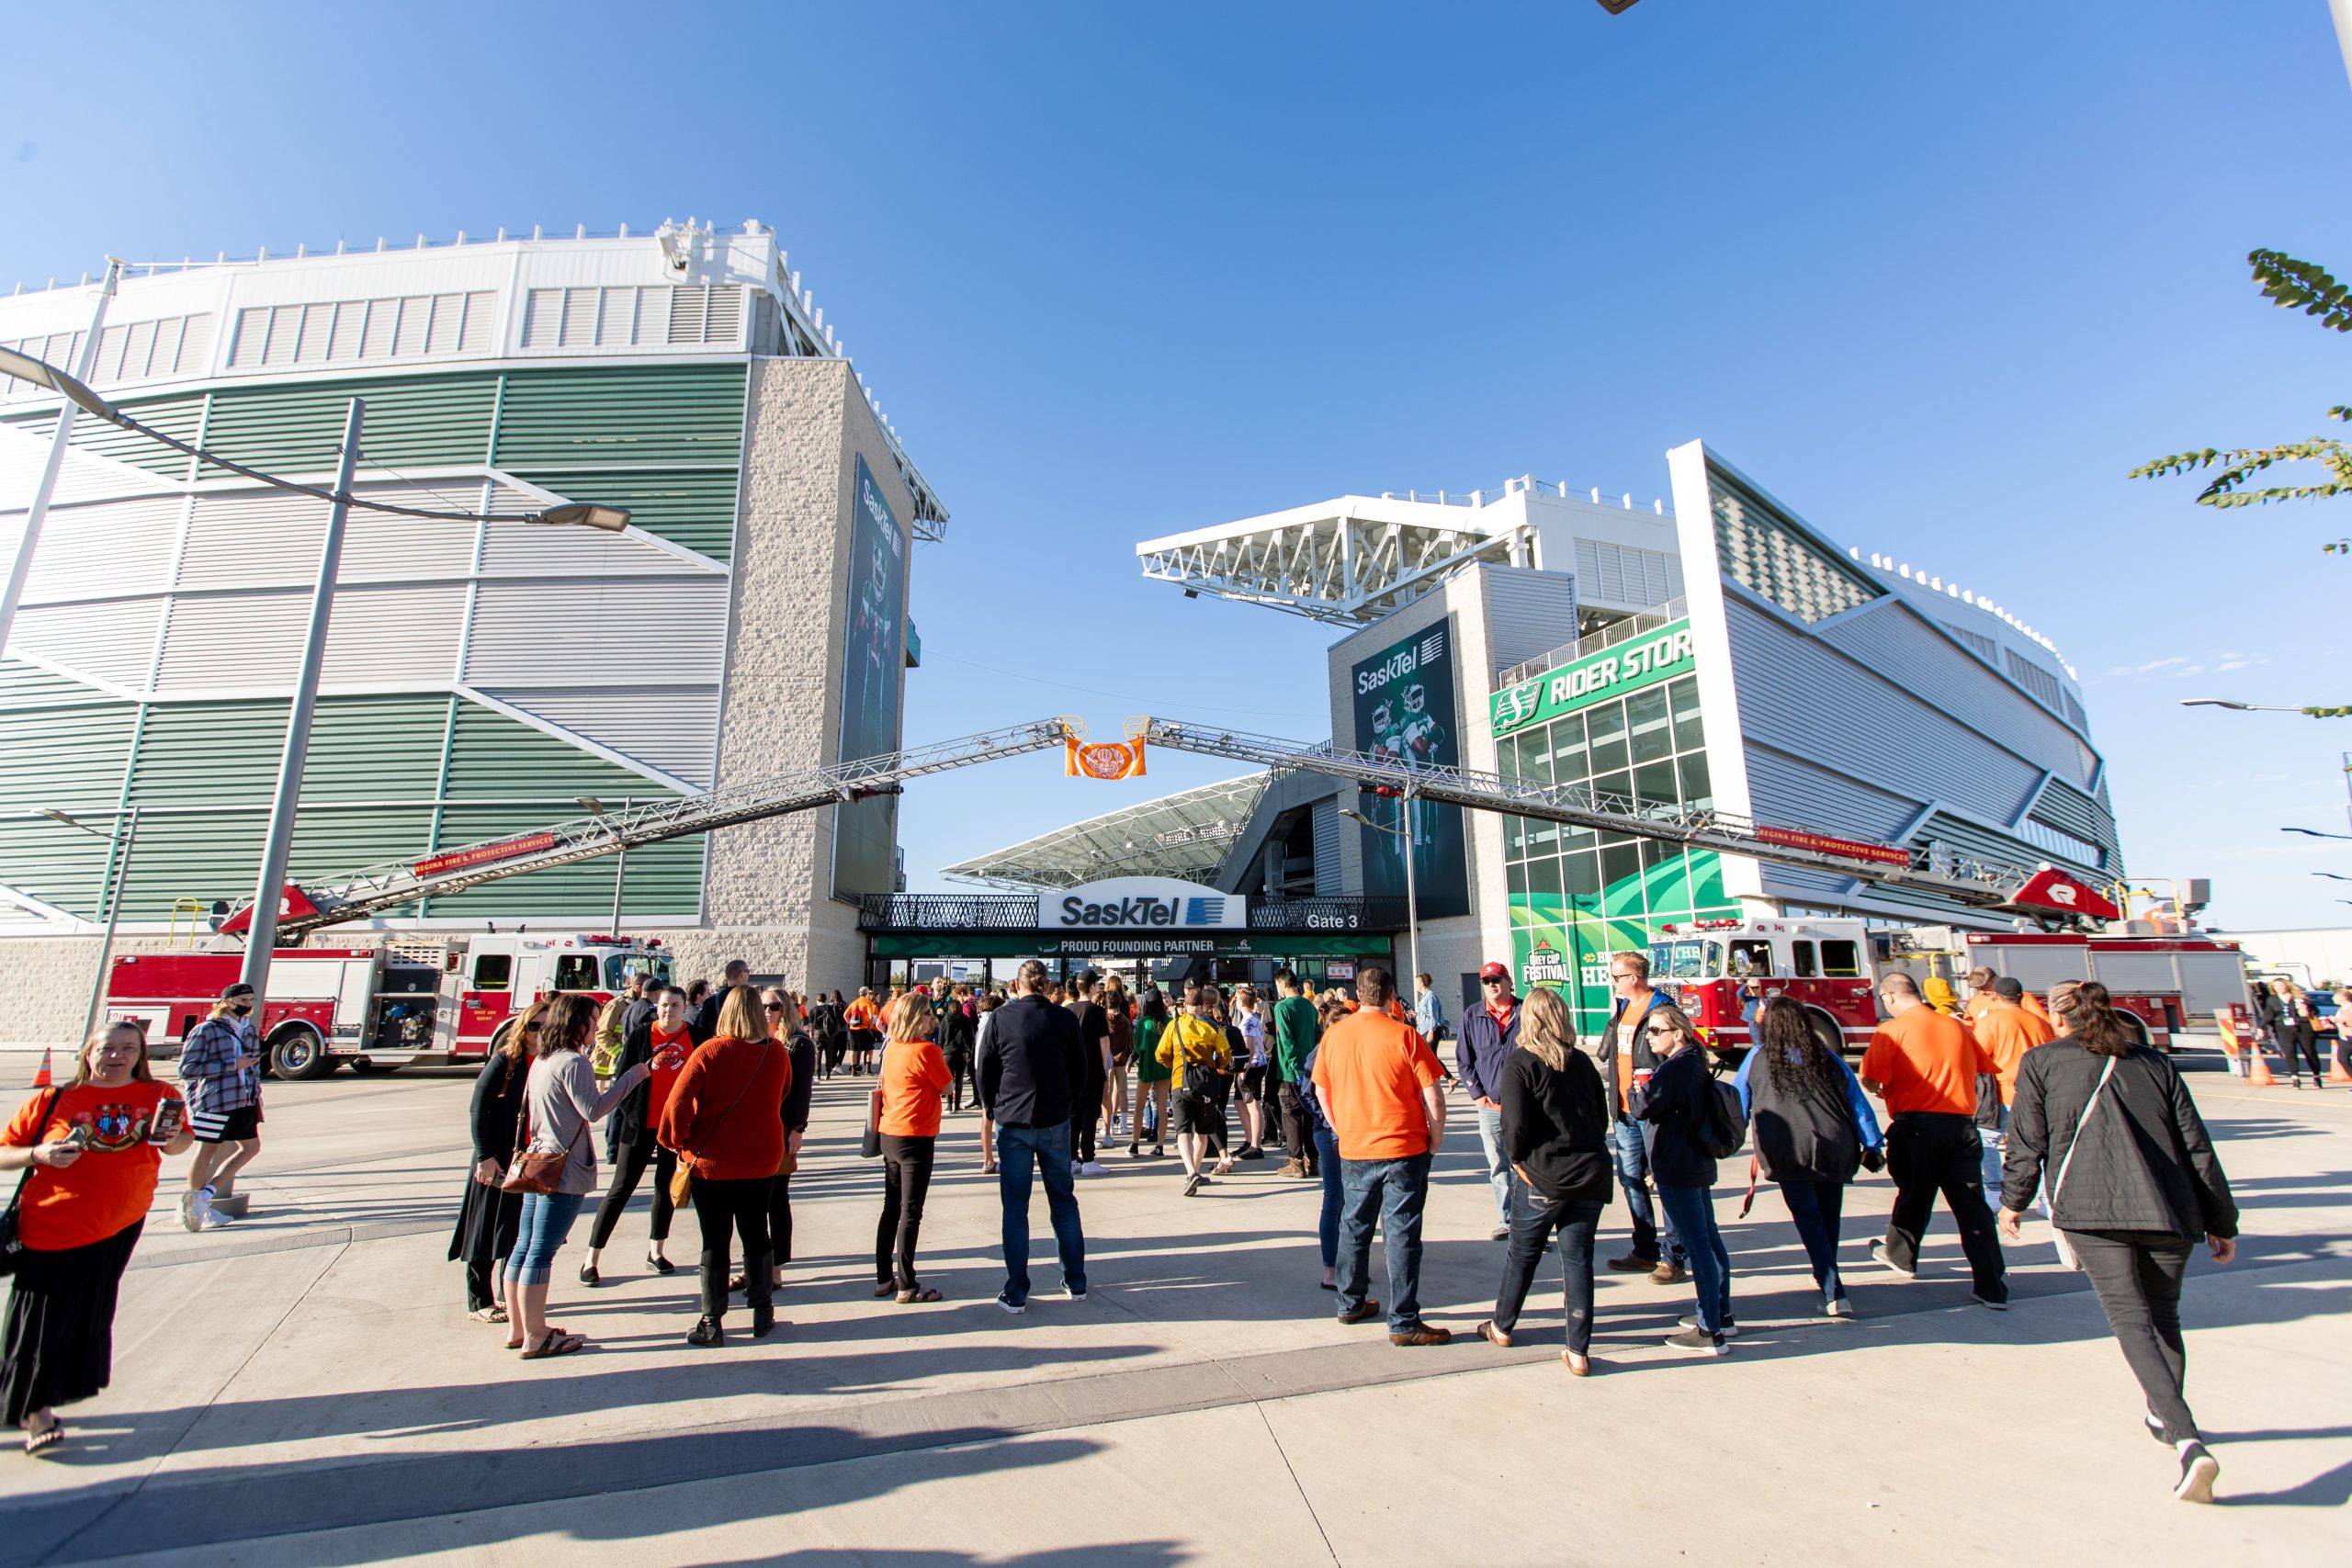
<point x="12" y="1244"/>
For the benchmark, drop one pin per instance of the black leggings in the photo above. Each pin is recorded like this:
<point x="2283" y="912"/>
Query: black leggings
<point x="2302" y="1039"/>
<point x="959" y="1081"/>
<point x="744" y="1206"/>
<point x="1084" y="1123"/>
<point x="780" y="1219"/>
<point x="627" y="1170"/>
<point x="906" y="1178"/>
<point x="2137" y="1276"/>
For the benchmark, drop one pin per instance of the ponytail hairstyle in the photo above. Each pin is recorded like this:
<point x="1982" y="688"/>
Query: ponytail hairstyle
<point x="2092" y="1022"/>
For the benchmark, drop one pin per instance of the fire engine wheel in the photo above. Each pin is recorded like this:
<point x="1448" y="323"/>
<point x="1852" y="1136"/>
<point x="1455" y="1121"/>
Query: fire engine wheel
<point x="299" y="1053"/>
<point x="1828" y="1033"/>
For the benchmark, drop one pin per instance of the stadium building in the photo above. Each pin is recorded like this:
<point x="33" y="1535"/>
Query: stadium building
<point x="1720" y="653"/>
<point x="482" y="679"/>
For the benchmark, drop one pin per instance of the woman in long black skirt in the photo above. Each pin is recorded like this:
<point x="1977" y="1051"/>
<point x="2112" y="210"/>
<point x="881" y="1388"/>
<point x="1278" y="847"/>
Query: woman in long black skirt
<point x="90" y="1151"/>
<point x="488" y="1218"/>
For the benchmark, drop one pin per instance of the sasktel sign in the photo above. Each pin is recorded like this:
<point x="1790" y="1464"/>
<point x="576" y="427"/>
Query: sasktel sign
<point x="1142" y="903"/>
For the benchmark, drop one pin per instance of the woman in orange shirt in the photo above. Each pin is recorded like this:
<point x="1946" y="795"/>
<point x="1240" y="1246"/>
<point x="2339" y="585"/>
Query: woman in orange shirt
<point x="915" y="1075"/>
<point x="90" y="1152"/>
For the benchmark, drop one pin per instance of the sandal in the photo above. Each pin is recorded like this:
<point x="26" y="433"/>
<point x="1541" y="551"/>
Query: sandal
<point x="557" y="1343"/>
<point x="49" y="1437"/>
<point x="1578" y="1366"/>
<point x="908" y="1298"/>
<point x="1498" y="1338"/>
<point x="735" y="1285"/>
<point x="988" y="1168"/>
<point x="489" y="1314"/>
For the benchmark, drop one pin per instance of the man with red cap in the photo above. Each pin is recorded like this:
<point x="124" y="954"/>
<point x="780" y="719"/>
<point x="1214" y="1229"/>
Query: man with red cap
<point x="1489" y="1034"/>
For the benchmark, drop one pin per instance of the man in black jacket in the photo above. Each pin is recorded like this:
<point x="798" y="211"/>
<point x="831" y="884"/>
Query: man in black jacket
<point x="1032" y="1072"/>
<point x="705" y="1019"/>
<point x="1489" y="1034"/>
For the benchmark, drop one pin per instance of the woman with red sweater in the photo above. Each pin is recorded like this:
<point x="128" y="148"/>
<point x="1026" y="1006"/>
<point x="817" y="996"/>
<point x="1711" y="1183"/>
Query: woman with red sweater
<point x="725" y="1118"/>
<point x="915" y="1075"/>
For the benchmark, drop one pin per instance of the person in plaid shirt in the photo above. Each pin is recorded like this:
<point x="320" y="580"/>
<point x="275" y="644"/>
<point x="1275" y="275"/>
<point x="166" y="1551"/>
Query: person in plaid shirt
<point x="220" y="1066"/>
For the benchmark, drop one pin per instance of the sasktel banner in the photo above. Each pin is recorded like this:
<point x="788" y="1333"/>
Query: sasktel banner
<point x="1154" y="904"/>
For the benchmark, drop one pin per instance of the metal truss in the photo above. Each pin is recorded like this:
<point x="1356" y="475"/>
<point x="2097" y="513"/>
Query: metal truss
<point x="1347" y="562"/>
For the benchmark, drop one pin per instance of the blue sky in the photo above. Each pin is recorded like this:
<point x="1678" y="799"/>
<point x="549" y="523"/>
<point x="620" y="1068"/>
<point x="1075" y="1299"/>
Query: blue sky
<point x="1937" y="275"/>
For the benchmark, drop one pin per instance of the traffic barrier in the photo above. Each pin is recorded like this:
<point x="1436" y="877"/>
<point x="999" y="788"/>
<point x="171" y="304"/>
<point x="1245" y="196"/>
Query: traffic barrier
<point x="41" y="1079"/>
<point x="2231" y="1054"/>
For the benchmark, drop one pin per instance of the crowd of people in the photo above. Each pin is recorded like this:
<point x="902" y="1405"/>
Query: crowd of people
<point x="1994" y="1110"/>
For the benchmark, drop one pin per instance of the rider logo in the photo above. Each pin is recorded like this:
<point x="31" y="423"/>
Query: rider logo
<point x="1545" y="967"/>
<point x="1517" y="706"/>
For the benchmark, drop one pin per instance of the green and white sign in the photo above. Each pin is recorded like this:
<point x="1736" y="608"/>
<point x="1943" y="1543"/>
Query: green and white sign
<point x="1654" y="656"/>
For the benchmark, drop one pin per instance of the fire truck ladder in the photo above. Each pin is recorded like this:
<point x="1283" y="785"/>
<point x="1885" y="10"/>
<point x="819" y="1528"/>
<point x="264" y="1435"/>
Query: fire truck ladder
<point x="1978" y="884"/>
<point x="586" y="838"/>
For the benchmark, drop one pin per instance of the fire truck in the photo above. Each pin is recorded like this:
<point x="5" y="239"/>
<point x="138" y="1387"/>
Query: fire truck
<point x="438" y="1002"/>
<point x="1714" y="968"/>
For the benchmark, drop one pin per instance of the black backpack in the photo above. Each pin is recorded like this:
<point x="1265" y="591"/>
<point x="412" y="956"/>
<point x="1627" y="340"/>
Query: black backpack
<point x="1722" y="1130"/>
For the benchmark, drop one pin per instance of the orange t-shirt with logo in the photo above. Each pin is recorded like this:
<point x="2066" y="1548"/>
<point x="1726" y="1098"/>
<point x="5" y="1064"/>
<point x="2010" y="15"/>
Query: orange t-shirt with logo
<point x="111" y="1185"/>
<point x="1369" y="1072"/>
<point x="1926" y="1061"/>
<point x="2008" y="1033"/>
<point x="915" y="1075"/>
<point x="669" y="1059"/>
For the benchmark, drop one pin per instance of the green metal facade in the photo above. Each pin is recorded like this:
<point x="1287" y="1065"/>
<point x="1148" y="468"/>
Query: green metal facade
<point x="388" y="776"/>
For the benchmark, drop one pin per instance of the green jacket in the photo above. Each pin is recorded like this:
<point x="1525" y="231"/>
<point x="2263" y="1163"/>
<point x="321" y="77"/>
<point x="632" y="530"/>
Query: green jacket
<point x="1296" y="1029"/>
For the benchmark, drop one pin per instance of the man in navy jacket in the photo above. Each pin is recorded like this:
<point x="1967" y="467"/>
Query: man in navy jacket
<point x="1489" y="1034"/>
<point x="1031" y="1074"/>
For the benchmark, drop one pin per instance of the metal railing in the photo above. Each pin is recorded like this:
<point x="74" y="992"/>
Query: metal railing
<point x="1609" y="635"/>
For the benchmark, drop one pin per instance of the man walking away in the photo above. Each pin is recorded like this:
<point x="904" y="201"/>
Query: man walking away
<point x="1297" y="1030"/>
<point x="1923" y="1065"/>
<point x="865" y="1021"/>
<point x="705" y="1019"/>
<point x="956" y="1030"/>
<point x="220" y="1066"/>
<point x="1031" y="1075"/>
<point x="1085" y="1004"/>
<point x="1489" y="1034"/>
<point x="1626" y="1063"/>
<point x="1378" y="1082"/>
<point x="2007" y="1032"/>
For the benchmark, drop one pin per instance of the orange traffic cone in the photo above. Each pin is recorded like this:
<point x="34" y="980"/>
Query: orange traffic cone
<point x="2336" y="1073"/>
<point x="41" y="1078"/>
<point x="2257" y="1071"/>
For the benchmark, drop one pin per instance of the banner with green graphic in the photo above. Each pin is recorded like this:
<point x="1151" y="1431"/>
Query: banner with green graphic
<point x="1624" y="722"/>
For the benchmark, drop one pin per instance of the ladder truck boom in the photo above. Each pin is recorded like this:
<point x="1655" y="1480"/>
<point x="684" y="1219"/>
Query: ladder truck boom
<point x="396" y="883"/>
<point x="1974" y="883"/>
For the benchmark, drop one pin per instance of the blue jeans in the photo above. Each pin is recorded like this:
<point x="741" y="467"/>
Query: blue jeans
<point x="1575" y="1222"/>
<point x="1021" y="1151"/>
<point x="1691" y="1212"/>
<point x="1992" y="1155"/>
<point x="539" y="1234"/>
<point x="1634" y="1170"/>
<point x="1815" y="1207"/>
<point x="1394" y="1192"/>
<point x="1326" y="1165"/>
<point x="1510" y="1196"/>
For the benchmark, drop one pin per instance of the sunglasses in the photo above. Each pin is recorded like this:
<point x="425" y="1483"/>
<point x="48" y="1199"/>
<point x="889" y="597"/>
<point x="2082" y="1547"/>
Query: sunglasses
<point x="1496" y="980"/>
<point x="774" y="1007"/>
<point x="1661" y="1029"/>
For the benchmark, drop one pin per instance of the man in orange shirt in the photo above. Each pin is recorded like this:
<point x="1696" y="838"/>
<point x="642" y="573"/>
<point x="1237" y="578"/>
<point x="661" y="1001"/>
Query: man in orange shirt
<point x="1378" y="1082"/>
<point x="1924" y="1065"/>
<point x="2007" y="1032"/>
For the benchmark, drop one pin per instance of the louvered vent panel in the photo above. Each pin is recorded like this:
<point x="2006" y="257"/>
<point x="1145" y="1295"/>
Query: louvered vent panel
<point x="233" y="642"/>
<point x="113" y="642"/>
<point x="272" y="538"/>
<point x="676" y="732"/>
<point x="395" y="633"/>
<point x="123" y="547"/>
<point x="538" y="634"/>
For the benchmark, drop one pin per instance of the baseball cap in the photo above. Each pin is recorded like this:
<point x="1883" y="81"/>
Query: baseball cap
<point x="2008" y="988"/>
<point x="1495" y="972"/>
<point x="234" y="991"/>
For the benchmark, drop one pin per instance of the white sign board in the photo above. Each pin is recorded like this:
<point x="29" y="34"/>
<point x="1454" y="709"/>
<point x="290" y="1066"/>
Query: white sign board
<point x="1142" y="904"/>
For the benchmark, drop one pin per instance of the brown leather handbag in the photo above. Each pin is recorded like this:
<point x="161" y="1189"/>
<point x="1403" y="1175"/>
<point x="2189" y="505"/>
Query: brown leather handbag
<point x="536" y="1172"/>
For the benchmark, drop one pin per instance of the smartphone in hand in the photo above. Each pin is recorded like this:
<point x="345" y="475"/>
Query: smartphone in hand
<point x="168" y="1117"/>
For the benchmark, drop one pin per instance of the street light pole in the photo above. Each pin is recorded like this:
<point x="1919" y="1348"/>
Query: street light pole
<point x="20" y="569"/>
<point x="620" y="870"/>
<point x="261" y="937"/>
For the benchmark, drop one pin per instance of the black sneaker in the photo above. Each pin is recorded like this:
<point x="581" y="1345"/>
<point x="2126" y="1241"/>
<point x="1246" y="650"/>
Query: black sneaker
<point x="1253" y="1152"/>
<point x="1981" y="1299"/>
<point x="763" y="1321"/>
<point x="2198" y="1471"/>
<point x="1005" y="1299"/>
<point x="1698" y="1342"/>
<point x="1730" y="1330"/>
<point x="705" y="1332"/>
<point x="588" y="1275"/>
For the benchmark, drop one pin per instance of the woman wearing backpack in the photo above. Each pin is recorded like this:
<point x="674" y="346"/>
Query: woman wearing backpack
<point x="1556" y="1133"/>
<point x="1193" y="1049"/>
<point x="2134" y="1186"/>
<point x="1679" y="1103"/>
<point x="1813" y="1129"/>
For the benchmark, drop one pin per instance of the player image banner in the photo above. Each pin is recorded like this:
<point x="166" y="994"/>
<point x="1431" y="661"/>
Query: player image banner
<point x="1406" y="712"/>
<point x="872" y="666"/>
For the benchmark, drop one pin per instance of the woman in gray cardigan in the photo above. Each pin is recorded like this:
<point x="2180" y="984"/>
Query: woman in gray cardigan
<point x="560" y="1103"/>
<point x="2135" y="1184"/>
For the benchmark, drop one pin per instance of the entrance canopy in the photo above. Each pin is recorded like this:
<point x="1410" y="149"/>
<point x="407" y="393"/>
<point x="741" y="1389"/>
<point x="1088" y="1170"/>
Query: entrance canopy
<point x="1185" y="835"/>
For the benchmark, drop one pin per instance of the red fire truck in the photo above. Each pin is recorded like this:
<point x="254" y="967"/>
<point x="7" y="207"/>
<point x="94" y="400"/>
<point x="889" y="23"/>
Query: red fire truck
<point x="1712" y="968"/>
<point x="439" y="1001"/>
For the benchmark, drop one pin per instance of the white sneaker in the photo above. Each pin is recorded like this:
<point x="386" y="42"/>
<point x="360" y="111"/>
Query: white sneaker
<point x="190" y="1215"/>
<point x="212" y="1217"/>
<point x="1092" y="1167"/>
<point x="1076" y="1168"/>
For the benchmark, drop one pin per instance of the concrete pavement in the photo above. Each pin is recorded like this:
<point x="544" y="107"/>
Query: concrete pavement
<point x="304" y="1387"/>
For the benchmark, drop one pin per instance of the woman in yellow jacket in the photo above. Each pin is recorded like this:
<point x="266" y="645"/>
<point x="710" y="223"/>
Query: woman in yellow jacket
<point x="1193" y="1049"/>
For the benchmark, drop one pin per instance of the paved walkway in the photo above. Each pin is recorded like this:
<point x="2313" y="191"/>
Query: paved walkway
<point x="303" y="1388"/>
